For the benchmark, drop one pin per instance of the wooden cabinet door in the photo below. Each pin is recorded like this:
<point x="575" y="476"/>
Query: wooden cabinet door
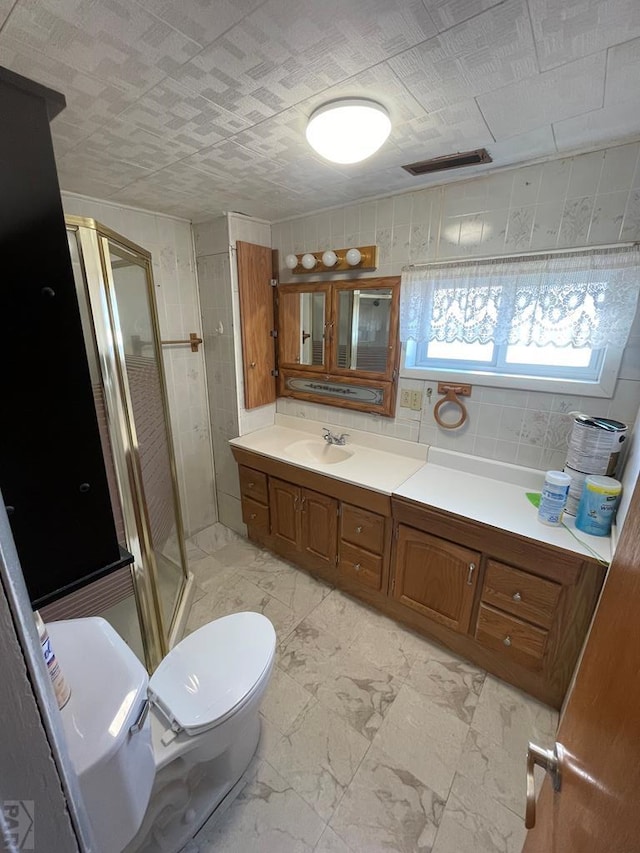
<point x="256" y="312"/>
<point x="284" y="500"/>
<point x="319" y="532"/>
<point x="435" y="578"/>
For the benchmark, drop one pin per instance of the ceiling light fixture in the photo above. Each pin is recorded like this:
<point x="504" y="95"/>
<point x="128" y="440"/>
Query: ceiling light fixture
<point x="348" y="130"/>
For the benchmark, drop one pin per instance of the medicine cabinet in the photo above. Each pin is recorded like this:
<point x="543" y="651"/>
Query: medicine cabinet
<point x="338" y="343"/>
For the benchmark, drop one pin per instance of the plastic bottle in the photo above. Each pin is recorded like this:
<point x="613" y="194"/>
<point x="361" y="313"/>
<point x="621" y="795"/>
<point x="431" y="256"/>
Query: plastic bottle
<point x="554" y="498"/>
<point x="60" y="686"/>
<point x="598" y="505"/>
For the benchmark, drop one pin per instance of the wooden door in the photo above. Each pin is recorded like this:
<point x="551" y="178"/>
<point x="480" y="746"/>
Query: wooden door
<point x="256" y="312"/>
<point x="319" y="532"/>
<point x="435" y="578"/>
<point x="284" y="503"/>
<point x="596" y="810"/>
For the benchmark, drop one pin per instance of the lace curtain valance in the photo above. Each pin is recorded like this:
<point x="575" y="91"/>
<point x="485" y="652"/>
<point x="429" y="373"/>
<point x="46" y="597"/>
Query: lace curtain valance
<point x="577" y="299"/>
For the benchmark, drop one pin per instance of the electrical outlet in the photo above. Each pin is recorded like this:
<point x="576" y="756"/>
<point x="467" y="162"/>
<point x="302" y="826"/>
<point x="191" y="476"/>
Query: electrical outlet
<point x="416" y="401"/>
<point x="405" y="398"/>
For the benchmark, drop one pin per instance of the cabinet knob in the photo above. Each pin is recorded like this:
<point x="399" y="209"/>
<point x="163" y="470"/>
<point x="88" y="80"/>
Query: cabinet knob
<point x="251" y="485"/>
<point x="253" y="364"/>
<point x="252" y="516"/>
<point x="356" y="566"/>
<point x="359" y="529"/>
<point x="516" y="596"/>
<point x="472" y="568"/>
<point x="507" y="640"/>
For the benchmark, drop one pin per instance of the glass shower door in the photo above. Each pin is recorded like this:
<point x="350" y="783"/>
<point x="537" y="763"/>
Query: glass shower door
<point x="132" y="308"/>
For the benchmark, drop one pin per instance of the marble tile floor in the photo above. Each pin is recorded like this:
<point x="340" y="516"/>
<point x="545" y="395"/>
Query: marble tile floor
<point x="373" y="738"/>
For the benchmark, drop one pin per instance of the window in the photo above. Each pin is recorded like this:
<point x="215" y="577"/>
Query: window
<point x="558" y="322"/>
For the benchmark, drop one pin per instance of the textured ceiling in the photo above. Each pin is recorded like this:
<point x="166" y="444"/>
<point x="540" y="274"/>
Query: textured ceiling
<point x="194" y="107"/>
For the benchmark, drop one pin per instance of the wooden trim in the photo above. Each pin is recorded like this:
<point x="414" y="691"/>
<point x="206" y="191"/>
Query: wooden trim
<point x="387" y="407"/>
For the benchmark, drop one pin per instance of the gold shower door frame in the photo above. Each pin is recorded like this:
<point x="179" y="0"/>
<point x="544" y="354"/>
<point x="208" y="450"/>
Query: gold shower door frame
<point x="93" y="244"/>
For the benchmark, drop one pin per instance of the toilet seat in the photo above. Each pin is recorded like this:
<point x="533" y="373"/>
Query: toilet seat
<point x="213" y="672"/>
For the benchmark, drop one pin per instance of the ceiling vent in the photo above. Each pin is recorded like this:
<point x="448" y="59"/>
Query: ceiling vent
<point x="450" y="161"/>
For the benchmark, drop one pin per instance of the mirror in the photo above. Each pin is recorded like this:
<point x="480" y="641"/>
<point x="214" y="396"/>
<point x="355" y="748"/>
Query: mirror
<point x="338" y="343"/>
<point x="302" y="317"/>
<point x="363" y="323"/>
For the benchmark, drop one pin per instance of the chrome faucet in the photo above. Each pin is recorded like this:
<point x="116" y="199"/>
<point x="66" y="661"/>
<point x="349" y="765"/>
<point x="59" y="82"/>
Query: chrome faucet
<point x="330" y="438"/>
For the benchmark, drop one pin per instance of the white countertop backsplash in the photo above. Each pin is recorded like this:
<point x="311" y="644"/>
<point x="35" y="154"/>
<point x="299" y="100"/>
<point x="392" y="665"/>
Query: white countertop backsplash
<point x="484" y="490"/>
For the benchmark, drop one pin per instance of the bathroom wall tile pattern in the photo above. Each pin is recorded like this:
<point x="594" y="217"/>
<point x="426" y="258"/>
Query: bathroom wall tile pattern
<point x="436" y="773"/>
<point x="215" y="242"/>
<point x="584" y="200"/>
<point x="176" y="290"/>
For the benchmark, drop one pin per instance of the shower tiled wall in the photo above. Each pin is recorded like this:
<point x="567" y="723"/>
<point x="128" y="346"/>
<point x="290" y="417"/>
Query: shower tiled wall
<point x="171" y="244"/>
<point x="215" y="244"/>
<point x="589" y="199"/>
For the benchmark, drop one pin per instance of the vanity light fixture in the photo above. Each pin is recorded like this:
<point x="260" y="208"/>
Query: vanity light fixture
<point x="348" y="130"/>
<point x="333" y="260"/>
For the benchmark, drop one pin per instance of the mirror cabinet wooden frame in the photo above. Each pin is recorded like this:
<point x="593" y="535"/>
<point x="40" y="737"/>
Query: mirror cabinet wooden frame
<point x="327" y="382"/>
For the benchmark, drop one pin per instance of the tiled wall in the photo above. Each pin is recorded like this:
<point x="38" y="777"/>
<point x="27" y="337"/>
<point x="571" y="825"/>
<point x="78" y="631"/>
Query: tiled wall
<point x="217" y="274"/>
<point x="589" y="199"/>
<point x="170" y="242"/>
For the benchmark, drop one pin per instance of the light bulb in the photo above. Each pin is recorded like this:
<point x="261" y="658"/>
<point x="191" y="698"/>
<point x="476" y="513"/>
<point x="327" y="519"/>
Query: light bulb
<point x="308" y="261"/>
<point x="291" y="261"/>
<point x="353" y="256"/>
<point x="329" y="258"/>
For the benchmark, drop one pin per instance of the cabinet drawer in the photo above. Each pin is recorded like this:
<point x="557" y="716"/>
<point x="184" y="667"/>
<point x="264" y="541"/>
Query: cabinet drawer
<point x="253" y="484"/>
<point x="362" y="528"/>
<point x="255" y="514"/>
<point x="360" y="565"/>
<point x="520" y="593"/>
<point x="514" y="639"/>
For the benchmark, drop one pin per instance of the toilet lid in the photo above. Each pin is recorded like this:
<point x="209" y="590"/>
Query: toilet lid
<point x="212" y="671"/>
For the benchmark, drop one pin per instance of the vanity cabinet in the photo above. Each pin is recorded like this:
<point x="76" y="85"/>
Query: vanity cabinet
<point x="518" y="608"/>
<point x="361" y="549"/>
<point x="435" y="578"/>
<point x="336" y="530"/>
<point x="304" y="526"/>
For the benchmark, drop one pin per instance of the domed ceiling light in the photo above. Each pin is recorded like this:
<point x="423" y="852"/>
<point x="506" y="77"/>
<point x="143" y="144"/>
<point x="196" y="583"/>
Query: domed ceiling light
<point x="348" y="130"/>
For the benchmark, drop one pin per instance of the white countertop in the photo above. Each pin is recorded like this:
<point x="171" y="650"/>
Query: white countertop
<point x="378" y="462"/>
<point x="487" y="491"/>
<point x="495" y="502"/>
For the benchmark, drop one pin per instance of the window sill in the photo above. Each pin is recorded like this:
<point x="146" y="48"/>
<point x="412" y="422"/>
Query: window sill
<point x="603" y="388"/>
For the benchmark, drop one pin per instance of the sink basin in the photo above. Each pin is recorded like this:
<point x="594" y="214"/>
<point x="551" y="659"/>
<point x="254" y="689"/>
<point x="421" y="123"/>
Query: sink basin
<point x="316" y="451"/>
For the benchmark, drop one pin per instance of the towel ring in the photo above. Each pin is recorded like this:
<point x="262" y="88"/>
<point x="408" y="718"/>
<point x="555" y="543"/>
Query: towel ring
<point x="450" y="397"/>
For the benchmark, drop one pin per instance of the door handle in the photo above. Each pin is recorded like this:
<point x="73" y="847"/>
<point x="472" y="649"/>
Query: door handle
<point x="549" y="760"/>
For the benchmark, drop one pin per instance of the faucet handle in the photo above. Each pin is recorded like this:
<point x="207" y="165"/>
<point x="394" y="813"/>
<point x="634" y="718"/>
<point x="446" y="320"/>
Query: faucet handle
<point x="343" y="438"/>
<point x="327" y="433"/>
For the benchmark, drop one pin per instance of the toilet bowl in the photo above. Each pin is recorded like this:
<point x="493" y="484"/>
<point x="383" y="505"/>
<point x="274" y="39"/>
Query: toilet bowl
<point x="155" y="757"/>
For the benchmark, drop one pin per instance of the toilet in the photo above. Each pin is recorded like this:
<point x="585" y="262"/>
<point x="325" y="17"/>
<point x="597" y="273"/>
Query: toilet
<point x="155" y="757"/>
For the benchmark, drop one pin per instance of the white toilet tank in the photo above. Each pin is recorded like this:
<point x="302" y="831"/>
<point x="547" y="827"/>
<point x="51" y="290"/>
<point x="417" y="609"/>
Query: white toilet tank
<point x="107" y="728"/>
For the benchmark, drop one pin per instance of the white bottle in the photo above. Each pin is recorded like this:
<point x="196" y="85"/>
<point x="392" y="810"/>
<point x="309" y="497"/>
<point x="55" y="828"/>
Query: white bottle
<point x="60" y="686"/>
<point x="554" y="498"/>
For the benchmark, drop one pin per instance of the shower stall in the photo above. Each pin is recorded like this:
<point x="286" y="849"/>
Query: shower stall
<point x="114" y="284"/>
